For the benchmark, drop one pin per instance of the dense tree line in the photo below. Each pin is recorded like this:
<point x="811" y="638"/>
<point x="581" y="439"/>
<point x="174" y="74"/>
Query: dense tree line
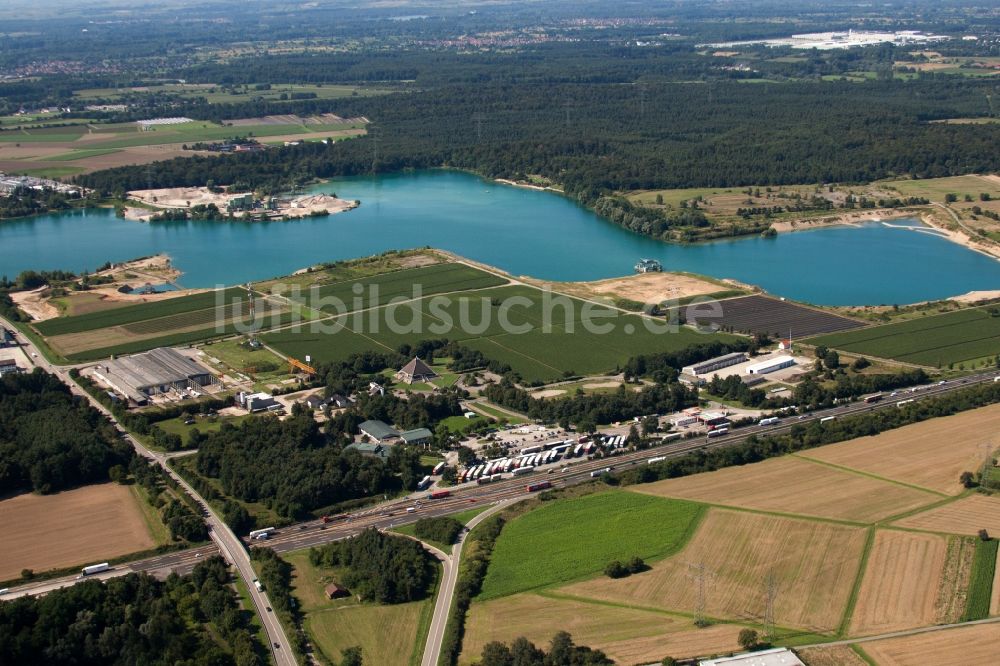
<point x="51" y="440"/>
<point x="379" y="567"/>
<point x="180" y="516"/>
<point x="133" y="619"/>
<point x="562" y="652"/>
<point x="26" y="201"/>
<point x="590" y="410"/>
<point x="292" y="467"/>
<point x="616" y="138"/>
<point x="275" y="574"/>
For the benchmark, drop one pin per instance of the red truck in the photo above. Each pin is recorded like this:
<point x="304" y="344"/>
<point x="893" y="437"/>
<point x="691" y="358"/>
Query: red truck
<point x="541" y="485"/>
<point x="439" y="494"/>
<point x="331" y="519"/>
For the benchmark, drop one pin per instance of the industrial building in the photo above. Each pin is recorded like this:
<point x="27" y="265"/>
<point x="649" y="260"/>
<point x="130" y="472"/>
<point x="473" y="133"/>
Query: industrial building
<point x="378" y="431"/>
<point x="369" y="449"/>
<point x="713" y="364"/>
<point x="417" y="436"/>
<point x="9" y="366"/>
<point x="774" y="657"/>
<point x="770" y="365"/>
<point x="7" y="338"/>
<point x="141" y="376"/>
<point x="257" y="402"/>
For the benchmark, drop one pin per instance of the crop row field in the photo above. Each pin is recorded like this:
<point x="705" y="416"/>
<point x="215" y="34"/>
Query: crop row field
<point x="962" y="336"/>
<point x="771" y="316"/>
<point x="161" y="324"/>
<point x="517" y="325"/>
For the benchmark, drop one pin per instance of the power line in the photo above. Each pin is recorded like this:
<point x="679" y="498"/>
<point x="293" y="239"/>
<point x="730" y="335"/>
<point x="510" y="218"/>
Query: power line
<point x="701" y="575"/>
<point x="770" y="594"/>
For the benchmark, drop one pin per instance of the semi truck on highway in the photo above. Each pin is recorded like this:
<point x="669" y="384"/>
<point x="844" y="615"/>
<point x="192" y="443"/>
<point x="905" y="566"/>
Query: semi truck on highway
<point x="439" y="494"/>
<point x="262" y="534"/>
<point x="771" y="420"/>
<point x="96" y="568"/>
<point x="541" y="485"/>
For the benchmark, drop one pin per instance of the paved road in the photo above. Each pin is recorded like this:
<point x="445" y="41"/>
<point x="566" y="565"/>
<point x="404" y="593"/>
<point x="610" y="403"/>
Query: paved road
<point x="446" y="593"/>
<point x="229" y="544"/>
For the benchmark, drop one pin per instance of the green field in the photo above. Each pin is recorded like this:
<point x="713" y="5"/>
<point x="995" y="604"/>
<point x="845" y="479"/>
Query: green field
<point x="963" y="336"/>
<point x="935" y="189"/>
<point x="130" y="314"/>
<point x="215" y="94"/>
<point x="202" y="424"/>
<point x="79" y="155"/>
<point x="537" y="352"/>
<point x="577" y="537"/>
<point x="977" y="605"/>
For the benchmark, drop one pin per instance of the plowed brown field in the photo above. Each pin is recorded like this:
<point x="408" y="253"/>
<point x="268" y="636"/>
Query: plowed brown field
<point x="965" y="516"/>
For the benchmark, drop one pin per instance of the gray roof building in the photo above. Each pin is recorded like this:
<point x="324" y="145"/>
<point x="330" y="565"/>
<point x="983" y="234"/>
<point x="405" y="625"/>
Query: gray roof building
<point x="369" y="449"/>
<point x="416" y="371"/>
<point x="378" y="431"/>
<point x="157" y="371"/>
<point x="417" y="436"/>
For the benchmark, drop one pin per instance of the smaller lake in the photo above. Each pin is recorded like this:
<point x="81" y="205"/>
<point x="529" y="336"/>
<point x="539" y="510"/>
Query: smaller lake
<point x="522" y="231"/>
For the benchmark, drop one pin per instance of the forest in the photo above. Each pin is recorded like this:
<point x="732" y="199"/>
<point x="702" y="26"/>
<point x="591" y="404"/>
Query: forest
<point x="51" y="440"/>
<point x="562" y="652"/>
<point x="294" y="468"/>
<point x="380" y="568"/>
<point x="133" y="619"/>
<point x="25" y="201"/>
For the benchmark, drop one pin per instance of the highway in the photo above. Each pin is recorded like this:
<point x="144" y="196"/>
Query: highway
<point x="227" y="542"/>
<point x="393" y="513"/>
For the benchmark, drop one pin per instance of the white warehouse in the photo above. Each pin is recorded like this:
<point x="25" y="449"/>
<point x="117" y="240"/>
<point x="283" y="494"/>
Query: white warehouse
<point x="770" y="365"/>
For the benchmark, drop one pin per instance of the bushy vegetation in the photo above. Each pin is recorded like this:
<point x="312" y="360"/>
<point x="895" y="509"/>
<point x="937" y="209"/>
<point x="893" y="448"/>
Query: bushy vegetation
<point x="51" y="440"/>
<point x="379" y="567"/>
<point x="275" y="574"/>
<point x="442" y="529"/>
<point x="26" y="201"/>
<point x="562" y="652"/>
<point x="294" y="468"/>
<point x="133" y="619"/>
<point x="472" y="571"/>
<point x="619" y="569"/>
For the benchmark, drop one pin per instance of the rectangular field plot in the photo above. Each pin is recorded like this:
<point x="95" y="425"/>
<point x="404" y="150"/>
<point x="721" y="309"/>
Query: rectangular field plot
<point x="75" y="527"/>
<point x="130" y="314"/>
<point x="795" y="486"/>
<point x="915" y="454"/>
<point x="814" y="564"/>
<point x="763" y="314"/>
<point x="409" y="283"/>
<point x="961" y="646"/>
<point x="953" y="337"/>
<point x="964" y="516"/>
<point x="512" y="324"/>
<point x="900" y="586"/>
<point x="627" y="635"/>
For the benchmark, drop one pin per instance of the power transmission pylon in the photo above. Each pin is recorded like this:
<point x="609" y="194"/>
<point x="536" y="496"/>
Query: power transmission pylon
<point x="701" y="575"/>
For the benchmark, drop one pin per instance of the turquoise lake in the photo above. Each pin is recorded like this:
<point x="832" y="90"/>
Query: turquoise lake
<point x="522" y="231"/>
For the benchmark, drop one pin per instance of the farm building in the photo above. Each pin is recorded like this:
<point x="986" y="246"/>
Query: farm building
<point x="157" y="371"/>
<point x="770" y="365"/>
<point x="334" y="591"/>
<point x="9" y="366"/>
<point x="775" y="657"/>
<point x="369" y="449"/>
<point x="257" y="402"/>
<point x="378" y="431"/>
<point x="416" y="371"/>
<point x="417" y="436"/>
<point x="713" y="364"/>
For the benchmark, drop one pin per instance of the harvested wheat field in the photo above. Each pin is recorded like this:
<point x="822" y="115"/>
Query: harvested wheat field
<point x="813" y="563"/>
<point x="838" y="655"/>
<point x="901" y="583"/>
<point x="793" y="485"/>
<point x="931" y="454"/>
<point x="964" y="646"/>
<point x="75" y="527"/>
<point x="627" y="635"/>
<point x="964" y="516"/>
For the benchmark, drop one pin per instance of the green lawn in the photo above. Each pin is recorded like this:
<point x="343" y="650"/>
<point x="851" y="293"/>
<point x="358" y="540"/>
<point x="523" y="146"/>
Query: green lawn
<point x="962" y="336"/>
<point x="463" y="517"/>
<point x="79" y="154"/>
<point x="202" y="423"/>
<point x="574" y="538"/>
<point x="935" y="189"/>
<point x="496" y="413"/>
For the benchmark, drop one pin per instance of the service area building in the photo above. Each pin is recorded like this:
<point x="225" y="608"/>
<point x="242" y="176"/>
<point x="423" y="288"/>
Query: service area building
<point x="770" y="365"/>
<point x="141" y="376"/>
<point x="775" y="657"/>
<point x="378" y="431"/>
<point x="713" y="364"/>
